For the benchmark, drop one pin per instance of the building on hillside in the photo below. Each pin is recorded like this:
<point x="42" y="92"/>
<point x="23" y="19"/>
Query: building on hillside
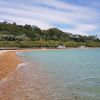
<point x="61" y="46"/>
<point x="82" y="46"/>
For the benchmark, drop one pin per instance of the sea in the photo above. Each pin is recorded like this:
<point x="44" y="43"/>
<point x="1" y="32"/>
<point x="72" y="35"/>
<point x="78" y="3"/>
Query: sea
<point x="60" y="74"/>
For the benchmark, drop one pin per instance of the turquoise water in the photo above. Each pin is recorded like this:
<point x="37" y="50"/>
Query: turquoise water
<point x="72" y="74"/>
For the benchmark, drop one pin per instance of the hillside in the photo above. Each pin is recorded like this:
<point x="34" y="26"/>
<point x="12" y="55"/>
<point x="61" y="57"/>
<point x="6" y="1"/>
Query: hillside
<point x="13" y="35"/>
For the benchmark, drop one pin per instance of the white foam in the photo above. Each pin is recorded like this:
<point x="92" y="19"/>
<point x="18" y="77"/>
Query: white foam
<point x="19" y="54"/>
<point x="22" y="64"/>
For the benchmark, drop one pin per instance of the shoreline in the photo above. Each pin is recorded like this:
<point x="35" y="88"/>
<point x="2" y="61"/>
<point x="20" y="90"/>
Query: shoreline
<point x="10" y="60"/>
<point x="25" y="49"/>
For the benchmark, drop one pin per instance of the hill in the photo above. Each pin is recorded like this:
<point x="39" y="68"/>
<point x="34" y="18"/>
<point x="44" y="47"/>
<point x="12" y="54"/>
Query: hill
<point x="13" y="35"/>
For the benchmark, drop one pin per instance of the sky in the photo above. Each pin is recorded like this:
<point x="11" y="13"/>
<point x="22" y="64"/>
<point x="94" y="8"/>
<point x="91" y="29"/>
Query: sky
<point x="75" y="16"/>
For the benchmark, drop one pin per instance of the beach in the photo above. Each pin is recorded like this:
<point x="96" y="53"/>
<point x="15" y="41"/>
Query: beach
<point x="9" y="59"/>
<point x="21" y="83"/>
<point x="73" y="75"/>
<point x="8" y="62"/>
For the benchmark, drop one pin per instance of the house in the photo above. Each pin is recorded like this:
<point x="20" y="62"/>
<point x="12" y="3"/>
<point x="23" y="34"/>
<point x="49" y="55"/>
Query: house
<point x="82" y="46"/>
<point x="61" y="46"/>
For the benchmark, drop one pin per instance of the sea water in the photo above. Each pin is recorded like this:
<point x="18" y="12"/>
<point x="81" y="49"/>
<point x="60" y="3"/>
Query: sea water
<point x="70" y="74"/>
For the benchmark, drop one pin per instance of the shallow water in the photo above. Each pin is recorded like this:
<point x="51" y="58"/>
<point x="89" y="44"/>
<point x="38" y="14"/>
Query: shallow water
<point x="70" y="74"/>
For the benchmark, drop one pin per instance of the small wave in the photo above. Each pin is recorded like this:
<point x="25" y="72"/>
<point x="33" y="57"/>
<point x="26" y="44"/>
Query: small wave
<point x="22" y="64"/>
<point x="19" y="54"/>
<point x="91" y="79"/>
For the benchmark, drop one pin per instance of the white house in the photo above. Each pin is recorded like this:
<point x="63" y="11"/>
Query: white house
<point x="61" y="46"/>
<point x="82" y="46"/>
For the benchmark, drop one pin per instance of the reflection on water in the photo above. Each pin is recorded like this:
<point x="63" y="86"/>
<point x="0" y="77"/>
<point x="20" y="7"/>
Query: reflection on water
<point x="72" y="74"/>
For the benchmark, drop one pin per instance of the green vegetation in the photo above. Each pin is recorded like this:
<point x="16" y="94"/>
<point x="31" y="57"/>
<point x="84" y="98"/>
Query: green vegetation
<point x="27" y="36"/>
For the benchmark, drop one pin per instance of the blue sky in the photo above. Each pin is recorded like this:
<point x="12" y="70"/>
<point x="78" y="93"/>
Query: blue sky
<point x="76" y="16"/>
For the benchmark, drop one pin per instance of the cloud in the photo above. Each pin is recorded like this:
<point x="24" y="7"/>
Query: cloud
<point x="82" y="29"/>
<point x="86" y="27"/>
<point x="47" y="13"/>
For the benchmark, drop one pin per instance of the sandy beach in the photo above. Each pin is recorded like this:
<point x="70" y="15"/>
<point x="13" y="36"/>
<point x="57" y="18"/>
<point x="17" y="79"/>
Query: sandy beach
<point x="8" y="61"/>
